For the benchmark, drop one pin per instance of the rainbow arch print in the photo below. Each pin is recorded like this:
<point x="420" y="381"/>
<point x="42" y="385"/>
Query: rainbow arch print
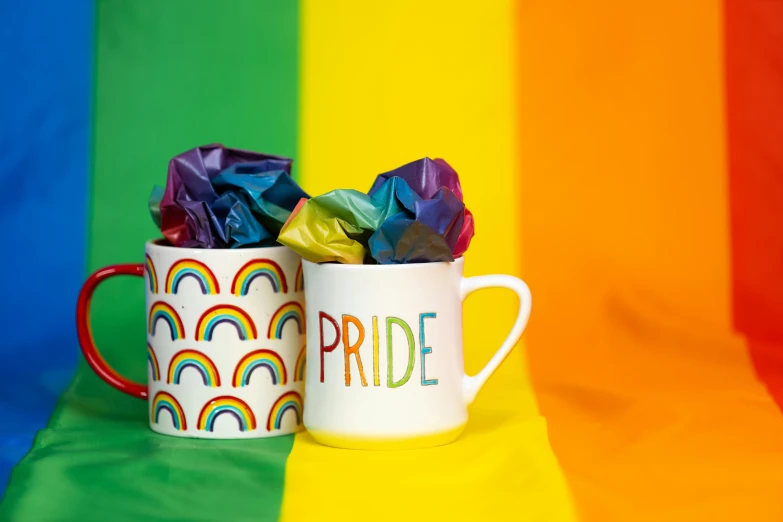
<point x="232" y="406"/>
<point x="260" y="359"/>
<point x="191" y="268"/>
<point x="301" y="361"/>
<point x="162" y="311"/>
<point x="246" y="328"/>
<point x="289" y="311"/>
<point x="288" y="401"/>
<point x="164" y="401"/>
<point x="299" y="282"/>
<point x="152" y="275"/>
<point x="254" y="269"/>
<point x="185" y="359"/>
<point x="152" y="359"/>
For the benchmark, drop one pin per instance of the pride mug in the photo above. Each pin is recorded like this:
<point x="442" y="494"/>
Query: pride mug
<point x="385" y="355"/>
<point x="225" y="340"/>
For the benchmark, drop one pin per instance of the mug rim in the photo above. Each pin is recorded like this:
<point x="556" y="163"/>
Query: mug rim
<point x="402" y="266"/>
<point x="161" y="243"/>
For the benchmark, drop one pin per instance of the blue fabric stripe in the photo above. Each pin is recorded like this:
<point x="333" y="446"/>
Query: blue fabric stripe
<point x="45" y="97"/>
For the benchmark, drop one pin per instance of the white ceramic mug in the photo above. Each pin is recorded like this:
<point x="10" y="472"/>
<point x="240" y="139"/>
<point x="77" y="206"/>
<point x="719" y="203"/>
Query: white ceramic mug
<point x="385" y="355"/>
<point x="225" y="340"/>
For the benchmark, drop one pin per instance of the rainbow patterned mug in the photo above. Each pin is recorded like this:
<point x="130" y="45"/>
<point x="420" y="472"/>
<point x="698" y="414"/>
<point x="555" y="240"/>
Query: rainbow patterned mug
<point x="214" y="317"/>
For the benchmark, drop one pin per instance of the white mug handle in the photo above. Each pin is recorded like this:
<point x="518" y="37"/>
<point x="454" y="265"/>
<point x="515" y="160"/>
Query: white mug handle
<point x="472" y="384"/>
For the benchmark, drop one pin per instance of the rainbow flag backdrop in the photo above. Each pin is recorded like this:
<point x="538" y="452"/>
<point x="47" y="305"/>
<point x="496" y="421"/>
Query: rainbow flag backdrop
<point x="622" y="157"/>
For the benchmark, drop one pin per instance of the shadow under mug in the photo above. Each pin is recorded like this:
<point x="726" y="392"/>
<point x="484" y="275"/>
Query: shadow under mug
<point x="225" y="340"/>
<point x="385" y="352"/>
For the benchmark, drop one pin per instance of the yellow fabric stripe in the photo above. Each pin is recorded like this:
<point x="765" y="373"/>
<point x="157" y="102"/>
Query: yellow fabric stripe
<point x="384" y="84"/>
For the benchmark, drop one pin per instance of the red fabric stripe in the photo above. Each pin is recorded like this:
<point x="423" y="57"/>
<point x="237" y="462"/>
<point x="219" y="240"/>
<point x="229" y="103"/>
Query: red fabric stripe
<point x="754" y="93"/>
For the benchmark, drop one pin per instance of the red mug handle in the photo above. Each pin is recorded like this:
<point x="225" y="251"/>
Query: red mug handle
<point x="90" y="351"/>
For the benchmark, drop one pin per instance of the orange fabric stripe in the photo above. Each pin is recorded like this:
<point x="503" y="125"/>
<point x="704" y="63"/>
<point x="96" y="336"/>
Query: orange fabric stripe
<point x="653" y="406"/>
<point x="754" y="92"/>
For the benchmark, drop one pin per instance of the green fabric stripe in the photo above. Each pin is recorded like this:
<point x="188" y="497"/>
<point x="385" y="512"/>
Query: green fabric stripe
<point x="170" y="75"/>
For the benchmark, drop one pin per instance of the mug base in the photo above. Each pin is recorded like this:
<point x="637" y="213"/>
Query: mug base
<point x="239" y="435"/>
<point x="343" y="441"/>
